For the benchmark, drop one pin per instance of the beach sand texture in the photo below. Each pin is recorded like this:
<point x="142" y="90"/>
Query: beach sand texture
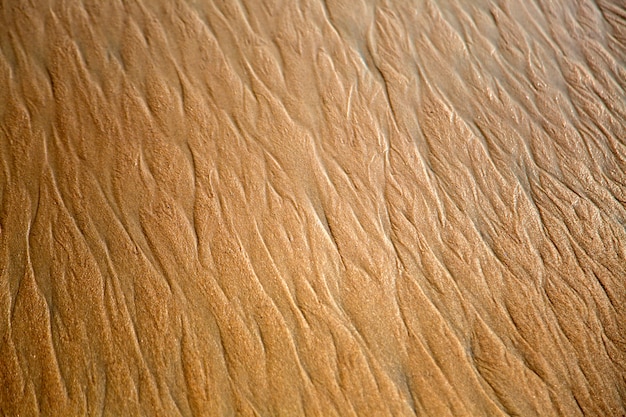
<point x="313" y="208"/>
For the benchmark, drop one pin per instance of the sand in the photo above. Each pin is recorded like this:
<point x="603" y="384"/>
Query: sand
<point x="339" y="208"/>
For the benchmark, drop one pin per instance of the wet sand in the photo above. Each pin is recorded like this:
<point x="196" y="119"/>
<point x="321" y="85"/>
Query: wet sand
<point x="275" y="208"/>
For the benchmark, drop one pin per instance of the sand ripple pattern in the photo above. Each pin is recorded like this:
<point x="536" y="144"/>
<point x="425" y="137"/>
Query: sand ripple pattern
<point x="320" y="208"/>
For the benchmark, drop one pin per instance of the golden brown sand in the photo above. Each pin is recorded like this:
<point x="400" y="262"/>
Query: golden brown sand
<point x="339" y="208"/>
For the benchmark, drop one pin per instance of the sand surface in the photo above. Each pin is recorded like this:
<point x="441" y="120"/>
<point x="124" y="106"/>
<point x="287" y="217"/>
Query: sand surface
<point x="313" y="208"/>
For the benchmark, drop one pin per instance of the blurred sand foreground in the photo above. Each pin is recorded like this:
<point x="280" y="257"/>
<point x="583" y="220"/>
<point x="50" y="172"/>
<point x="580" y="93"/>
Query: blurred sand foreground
<point x="285" y="208"/>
